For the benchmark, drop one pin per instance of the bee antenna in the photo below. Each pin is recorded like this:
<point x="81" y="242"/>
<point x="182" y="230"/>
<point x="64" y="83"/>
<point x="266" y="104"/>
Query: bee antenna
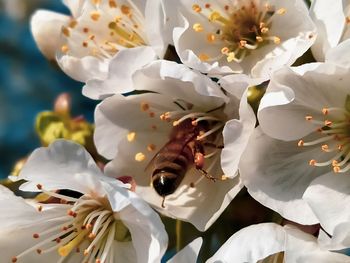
<point x="163" y="202"/>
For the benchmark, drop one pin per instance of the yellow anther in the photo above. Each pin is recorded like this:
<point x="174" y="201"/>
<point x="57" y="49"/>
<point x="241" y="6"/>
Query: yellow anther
<point x="336" y="169"/>
<point x="225" y="50"/>
<point x="112" y="4"/>
<point x="325" y="111"/>
<point x="276" y="40"/>
<point x="95" y="15"/>
<point x="144" y="106"/>
<point x="140" y="157"/>
<point x="211" y="37"/>
<point x="281" y="11"/>
<point x="72" y="23"/>
<point x="231" y="56"/>
<point x="325" y="147"/>
<point x="242" y="43"/>
<point x="197" y="27"/>
<point x="327" y="123"/>
<point x="196" y="8"/>
<point x="112" y="25"/>
<point x="96" y="2"/>
<point x="125" y="10"/>
<point x="259" y="39"/>
<point x="203" y="57"/>
<point x="312" y="162"/>
<point x="175" y="123"/>
<point x="264" y="30"/>
<point x="334" y="163"/>
<point x="300" y="143"/>
<point x="340" y="147"/>
<point x="308" y="118"/>
<point x="224" y="177"/>
<point x="131" y="136"/>
<point x="64" y="49"/>
<point x="214" y="16"/>
<point x="65" y="31"/>
<point x="151" y="147"/>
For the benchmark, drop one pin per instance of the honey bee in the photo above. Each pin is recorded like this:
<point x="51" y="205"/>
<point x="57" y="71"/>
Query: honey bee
<point x="183" y="150"/>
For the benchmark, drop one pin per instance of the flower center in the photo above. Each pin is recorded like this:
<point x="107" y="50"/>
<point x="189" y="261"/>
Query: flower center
<point x="104" y="30"/>
<point x="333" y="139"/>
<point x="237" y="29"/>
<point x="89" y="224"/>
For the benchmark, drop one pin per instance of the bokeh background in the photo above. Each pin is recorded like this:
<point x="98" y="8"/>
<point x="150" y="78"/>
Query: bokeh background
<point x="29" y="83"/>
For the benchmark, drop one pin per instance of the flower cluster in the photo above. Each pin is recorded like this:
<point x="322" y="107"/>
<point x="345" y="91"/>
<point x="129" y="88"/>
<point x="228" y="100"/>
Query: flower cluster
<point x="180" y="130"/>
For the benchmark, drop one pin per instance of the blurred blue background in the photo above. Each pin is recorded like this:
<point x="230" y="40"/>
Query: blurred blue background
<point x="28" y="82"/>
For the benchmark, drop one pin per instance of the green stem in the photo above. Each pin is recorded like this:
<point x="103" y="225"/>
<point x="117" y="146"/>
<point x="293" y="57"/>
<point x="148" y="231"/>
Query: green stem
<point x="178" y="234"/>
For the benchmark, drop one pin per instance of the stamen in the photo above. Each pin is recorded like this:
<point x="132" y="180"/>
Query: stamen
<point x="211" y="131"/>
<point x="140" y="157"/>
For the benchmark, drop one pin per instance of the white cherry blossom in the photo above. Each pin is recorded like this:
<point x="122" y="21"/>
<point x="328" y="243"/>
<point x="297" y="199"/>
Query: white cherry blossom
<point x="187" y="111"/>
<point x="98" y="33"/>
<point x="102" y="222"/>
<point x="303" y="134"/>
<point x="250" y="37"/>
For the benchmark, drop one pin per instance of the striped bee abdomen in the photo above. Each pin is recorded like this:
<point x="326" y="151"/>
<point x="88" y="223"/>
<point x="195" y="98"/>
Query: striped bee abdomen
<point x="170" y="167"/>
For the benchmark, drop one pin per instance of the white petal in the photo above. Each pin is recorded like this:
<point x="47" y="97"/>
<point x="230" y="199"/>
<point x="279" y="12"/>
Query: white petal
<point x="121" y="69"/>
<point x="16" y="241"/>
<point x="251" y="244"/>
<point x="148" y="234"/>
<point x="123" y="252"/>
<point x="62" y="165"/>
<point x="189" y="253"/>
<point x="341" y="237"/>
<point x="83" y="69"/>
<point x="303" y="248"/>
<point x="236" y="135"/>
<point x="186" y="84"/>
<point x="46" y="29"/>
<point x="236" y="84"/>
<point x="277" y="173"/>
<point x="113" y="124"/>
<point x="330" y="21"/>
<point x="339" y="54"/>
<point x="74" y="6"/>
<point x="159" y="23"/>
<point x="329" y="198"/>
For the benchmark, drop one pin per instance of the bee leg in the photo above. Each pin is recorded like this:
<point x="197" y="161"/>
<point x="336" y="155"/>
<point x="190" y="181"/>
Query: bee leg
<point x="205" y="173"/>
<point x="163" y="206"/>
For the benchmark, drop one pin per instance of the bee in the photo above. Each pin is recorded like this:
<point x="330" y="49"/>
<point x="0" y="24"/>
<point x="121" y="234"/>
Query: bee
<point x="179" y="154"/>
